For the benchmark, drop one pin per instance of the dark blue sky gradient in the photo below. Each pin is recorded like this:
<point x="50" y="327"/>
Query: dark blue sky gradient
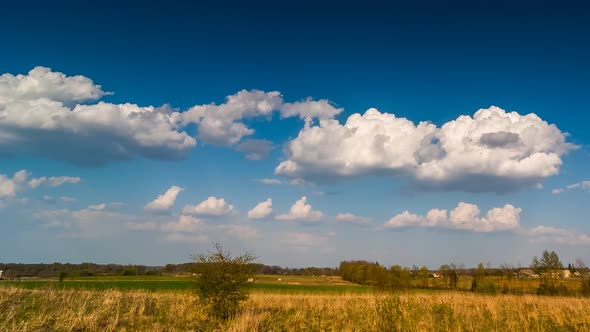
<point x="424" y="60"/>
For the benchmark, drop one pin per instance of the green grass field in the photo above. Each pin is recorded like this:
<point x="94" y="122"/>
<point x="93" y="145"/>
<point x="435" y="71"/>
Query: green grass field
<point x="279" y="284"/>
<point x="263" y="283"/>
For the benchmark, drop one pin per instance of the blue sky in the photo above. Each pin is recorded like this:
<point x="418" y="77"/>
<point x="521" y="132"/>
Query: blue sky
<point x="236" y="103"/>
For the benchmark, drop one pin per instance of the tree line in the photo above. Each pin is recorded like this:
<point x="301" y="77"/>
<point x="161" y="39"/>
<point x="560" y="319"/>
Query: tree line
<point x="19" y="270"/>
<point x="484" y="279"/>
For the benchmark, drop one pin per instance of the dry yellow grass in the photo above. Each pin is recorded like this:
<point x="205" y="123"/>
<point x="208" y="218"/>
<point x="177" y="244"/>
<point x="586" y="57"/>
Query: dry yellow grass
<point x="75" y="310"/>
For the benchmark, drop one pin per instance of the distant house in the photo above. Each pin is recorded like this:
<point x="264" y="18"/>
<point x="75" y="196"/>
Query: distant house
<point x="578" y="274"/>
<point x="526" y="273"/>
<point x="1" y="274"/>
<point x="437" y="275"/>
<point x="250" y="279"/>
<point x="566" y="273"/>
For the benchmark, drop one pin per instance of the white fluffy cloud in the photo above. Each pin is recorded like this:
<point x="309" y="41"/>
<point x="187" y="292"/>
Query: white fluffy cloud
<point x="584" y="185"/>
<point x="40" y="114"/>
<point x="301" y="211"/>
<point x="165" y="201"/>
<point x="50" y="114"/>
<point x="212" y="206"/>
<point x="310" y="109"/>
<point x="221" y="124"/>
<point x="493" y="151"/>
<point x="261" y="210"/>
<point x="41" y="83"/>
<point x="464" y="217"/>
<point x="9" y="185"/>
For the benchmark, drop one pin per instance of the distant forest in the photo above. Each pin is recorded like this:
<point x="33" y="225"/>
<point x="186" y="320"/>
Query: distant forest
<point x="16" y="270"/>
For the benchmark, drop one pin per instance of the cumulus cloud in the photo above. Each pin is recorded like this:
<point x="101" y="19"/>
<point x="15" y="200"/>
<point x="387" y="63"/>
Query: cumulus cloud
<point x="255" y="149"/>
<point x="40" y="114"/>
<point x="49" y="114"/>
<point x="310" y="109"/>
<point x="221" y="124"/>
<point x="493" y="151"/>
<point x="261" y="210"/>
<point x="41" y="82"/>
<point x="301" y="211"/>
<point x="584" y="185"/>
<point x="212" y="206"/>
<point x="165" y="201"/>
<point x="9" y="185"/>
<point x="467" y="217"/>
<point x="351" y="218"/>
<point x="464" y="217"/>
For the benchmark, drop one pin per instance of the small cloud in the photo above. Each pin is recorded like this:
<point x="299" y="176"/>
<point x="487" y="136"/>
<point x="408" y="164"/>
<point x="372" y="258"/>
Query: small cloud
<point x="301" y="182"/>
<point x="261" y="210"/>
<point x="212" y="206"/>
<point x="270" y="181"/>
<point x="584" y="185"/>
<point x="351" y="218"/>
<point x="301" y="211"/>
<point x="9" y="186"/>
<point x="98" y="207"/>
<point x="54" y="181"/>
<point x="165" y="201"/>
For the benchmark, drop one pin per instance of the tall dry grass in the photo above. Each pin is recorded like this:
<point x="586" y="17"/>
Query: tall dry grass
<point x="75" y="310"/>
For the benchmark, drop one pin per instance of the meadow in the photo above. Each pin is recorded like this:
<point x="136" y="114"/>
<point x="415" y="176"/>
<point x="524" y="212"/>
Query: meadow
<point x="262" y="283"/>
<point x="166" y="303"/>
<point x="117" y="310"/>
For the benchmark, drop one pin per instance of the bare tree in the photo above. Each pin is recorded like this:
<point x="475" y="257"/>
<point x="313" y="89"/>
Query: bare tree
<point x="580" y="263"/>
